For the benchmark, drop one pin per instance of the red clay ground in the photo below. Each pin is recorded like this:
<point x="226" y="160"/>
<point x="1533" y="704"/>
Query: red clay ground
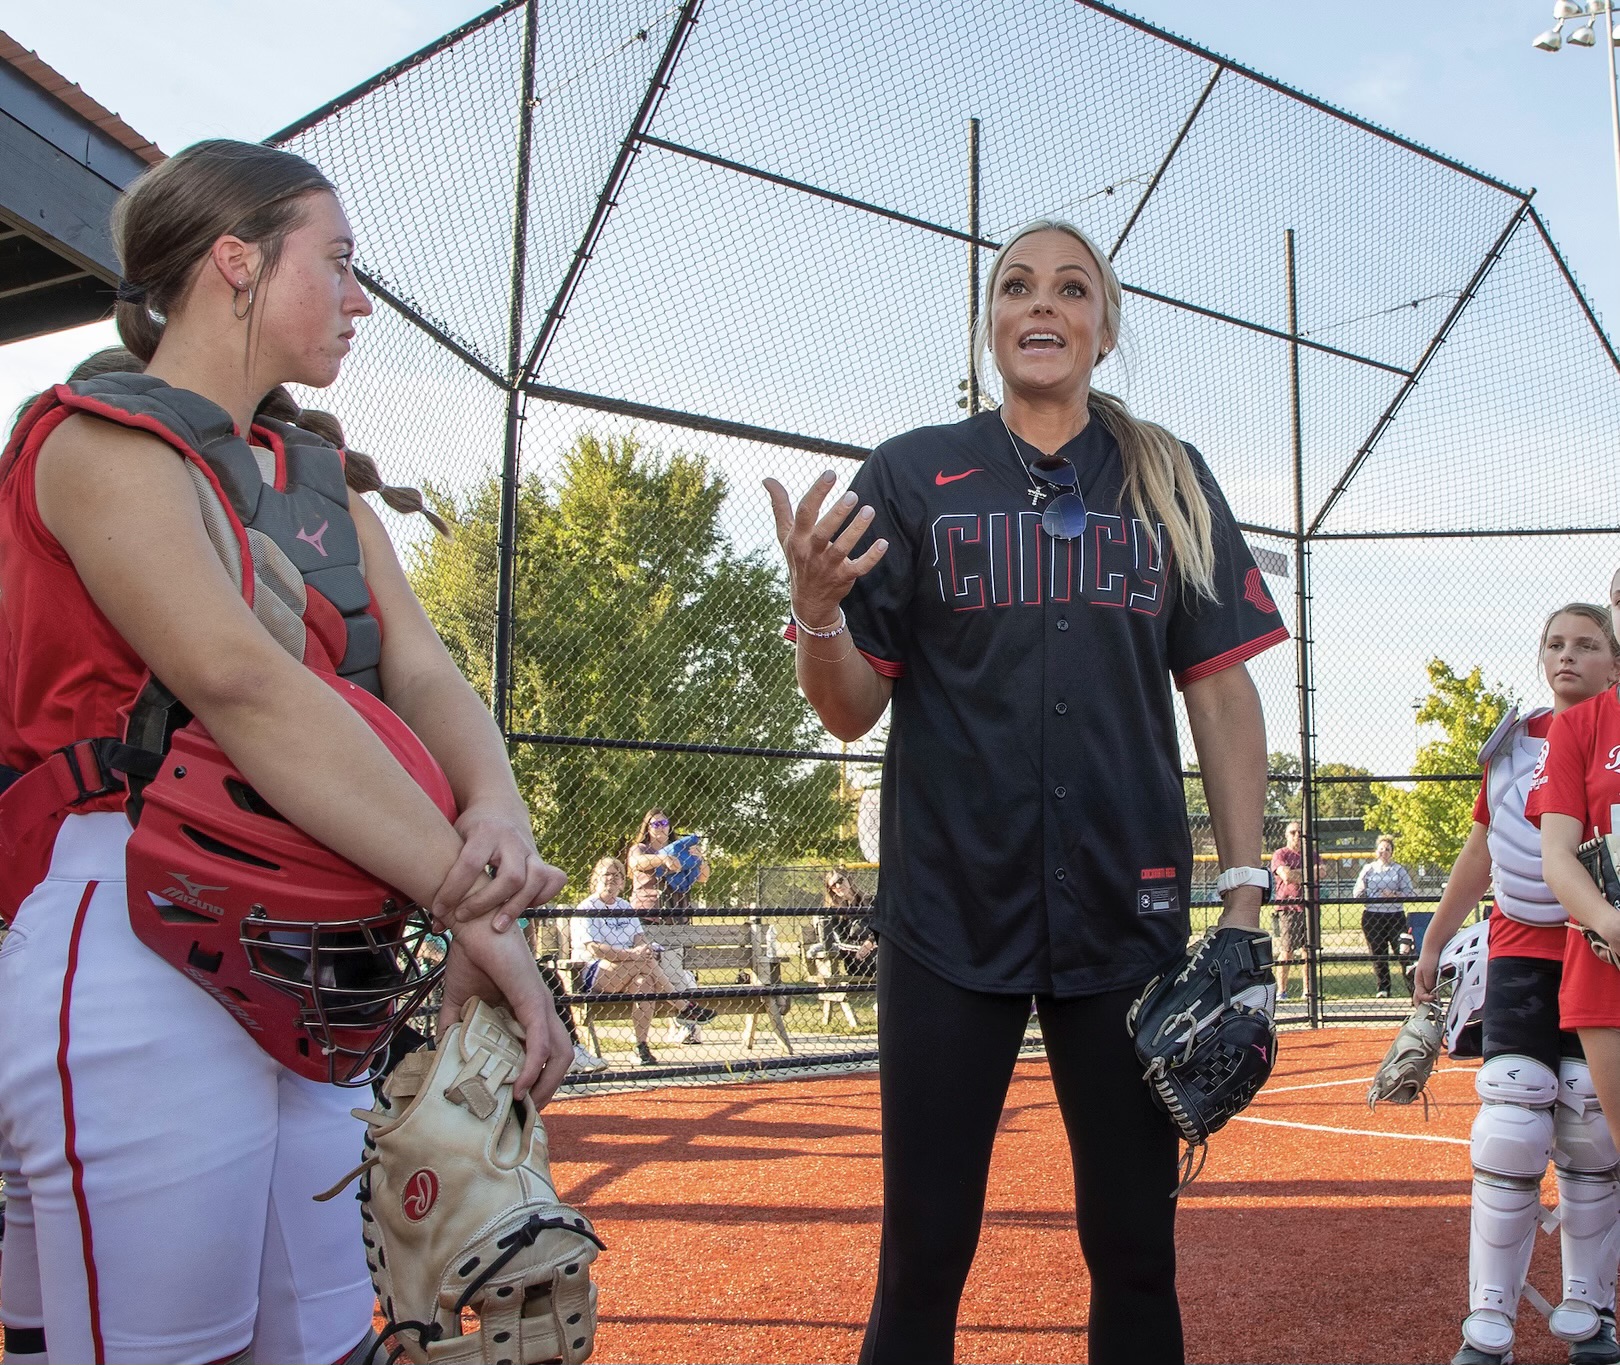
<point x="742" y="1222"/>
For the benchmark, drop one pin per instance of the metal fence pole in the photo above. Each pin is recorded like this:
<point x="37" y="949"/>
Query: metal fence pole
<point x="1309" y="889"/>
<point x="973" y="263"/>
<point x="501" y="692"/>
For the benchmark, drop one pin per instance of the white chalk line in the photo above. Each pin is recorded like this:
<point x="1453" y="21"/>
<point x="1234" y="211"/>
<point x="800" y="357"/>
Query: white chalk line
<point x="1354" y="1080"/>
<point x="1353" y="1132"/>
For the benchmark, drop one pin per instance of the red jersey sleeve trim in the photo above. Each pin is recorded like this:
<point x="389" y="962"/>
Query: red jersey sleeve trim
<point x="1236" y="655"/>
<point x="885" y="668"/>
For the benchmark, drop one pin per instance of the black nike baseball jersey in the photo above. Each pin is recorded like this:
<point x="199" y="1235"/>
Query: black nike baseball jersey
<point x="1034" y="831"/>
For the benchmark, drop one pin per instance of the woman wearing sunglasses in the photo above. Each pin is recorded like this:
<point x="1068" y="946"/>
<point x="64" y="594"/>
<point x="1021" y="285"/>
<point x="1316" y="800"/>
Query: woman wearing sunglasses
<point x="1023" y="586"/>
<point x="650" y="866"/>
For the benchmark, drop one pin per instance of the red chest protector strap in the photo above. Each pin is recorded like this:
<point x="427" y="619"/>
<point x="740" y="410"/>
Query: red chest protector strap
<point x="34" y="804"/>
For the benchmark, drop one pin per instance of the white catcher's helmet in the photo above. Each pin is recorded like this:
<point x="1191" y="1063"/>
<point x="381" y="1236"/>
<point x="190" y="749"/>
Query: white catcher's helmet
<point x="1464" y="961"/>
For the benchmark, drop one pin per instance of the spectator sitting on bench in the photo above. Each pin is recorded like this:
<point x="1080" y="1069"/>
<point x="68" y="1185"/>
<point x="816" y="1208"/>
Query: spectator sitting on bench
<point x="848" y="936"/>
<point x="584" y="1058"/>
<point x="625" y="962"/>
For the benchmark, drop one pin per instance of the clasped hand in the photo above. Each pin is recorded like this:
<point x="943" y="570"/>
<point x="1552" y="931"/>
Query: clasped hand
<point x="499" y="873"/>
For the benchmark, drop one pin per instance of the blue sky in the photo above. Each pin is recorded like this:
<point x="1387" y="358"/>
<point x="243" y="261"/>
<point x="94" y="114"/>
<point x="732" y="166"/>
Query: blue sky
<point x="1465" y="82"/>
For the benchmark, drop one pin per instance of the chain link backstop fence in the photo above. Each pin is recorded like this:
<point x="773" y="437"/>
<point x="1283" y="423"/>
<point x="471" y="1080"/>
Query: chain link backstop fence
<point x="632" y="256"/>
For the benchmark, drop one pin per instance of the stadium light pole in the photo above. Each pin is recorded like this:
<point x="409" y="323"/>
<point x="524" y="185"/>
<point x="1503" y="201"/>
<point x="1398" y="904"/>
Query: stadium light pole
<point x="1584" y="36"/>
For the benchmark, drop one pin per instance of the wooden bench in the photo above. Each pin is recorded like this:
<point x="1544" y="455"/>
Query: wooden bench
<point x="740" y="953"/>
<point x="823" y="958"/>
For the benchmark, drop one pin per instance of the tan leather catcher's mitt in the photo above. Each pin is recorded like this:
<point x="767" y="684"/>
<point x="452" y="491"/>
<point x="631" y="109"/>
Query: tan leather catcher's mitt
<point x="1403" y="1075"/>
<point x="459" y="1210"/>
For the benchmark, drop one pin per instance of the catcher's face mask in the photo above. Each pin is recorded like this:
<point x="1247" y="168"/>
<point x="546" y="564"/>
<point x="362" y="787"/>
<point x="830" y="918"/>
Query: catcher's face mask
<point x="319" y="961"/>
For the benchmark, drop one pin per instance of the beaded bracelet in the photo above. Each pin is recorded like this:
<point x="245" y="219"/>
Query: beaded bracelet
<point x="831" y="634"/>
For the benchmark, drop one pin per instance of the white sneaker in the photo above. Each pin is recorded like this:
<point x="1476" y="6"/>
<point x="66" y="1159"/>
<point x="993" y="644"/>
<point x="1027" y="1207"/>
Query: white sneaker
<point x="586" y="1061"/>
<point x="682" y="1032"/>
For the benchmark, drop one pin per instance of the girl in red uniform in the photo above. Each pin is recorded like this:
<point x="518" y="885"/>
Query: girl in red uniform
<point x="1534" y="1086"/>
<point x="1574" y="797"/>
<point x="168" y="1159"/>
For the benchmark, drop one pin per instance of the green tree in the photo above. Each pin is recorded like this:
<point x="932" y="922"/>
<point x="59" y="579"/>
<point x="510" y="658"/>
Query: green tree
<point x="1283" y="797"/>
<point x="1431" y="821"/>
<point x="1342" y="800"/>
<point x="635" y="618"/>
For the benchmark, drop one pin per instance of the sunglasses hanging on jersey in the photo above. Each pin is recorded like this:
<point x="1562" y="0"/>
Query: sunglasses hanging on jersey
<point x="1064" y="518"/>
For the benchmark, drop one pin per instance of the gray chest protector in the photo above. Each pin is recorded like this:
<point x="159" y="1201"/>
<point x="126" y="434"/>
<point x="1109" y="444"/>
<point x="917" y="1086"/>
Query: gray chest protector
<point x="278" y="518"/>
<point x="1509" y="758"/>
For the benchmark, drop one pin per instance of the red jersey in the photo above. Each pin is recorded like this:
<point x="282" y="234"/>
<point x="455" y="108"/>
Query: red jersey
<point x="1579" y="772"/>
<point x="65" y="673"/>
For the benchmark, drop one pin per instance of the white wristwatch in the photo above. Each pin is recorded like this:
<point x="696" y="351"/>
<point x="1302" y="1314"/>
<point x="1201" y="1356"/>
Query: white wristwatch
<point x="1244" y="876"/>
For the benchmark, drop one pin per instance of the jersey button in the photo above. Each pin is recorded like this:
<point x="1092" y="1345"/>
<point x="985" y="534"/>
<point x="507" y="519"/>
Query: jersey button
<point x="1062" y="708"/>
<point x="1060" y="792"/>
<point x="1063" y="623"/>
<point x="1060" y="874"/>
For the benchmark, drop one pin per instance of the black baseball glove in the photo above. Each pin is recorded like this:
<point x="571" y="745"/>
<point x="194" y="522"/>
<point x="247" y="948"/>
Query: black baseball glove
<point x="1205" y="1034"/>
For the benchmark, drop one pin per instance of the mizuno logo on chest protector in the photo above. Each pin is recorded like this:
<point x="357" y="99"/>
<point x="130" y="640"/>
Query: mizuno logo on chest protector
<point x="315" y="538"/>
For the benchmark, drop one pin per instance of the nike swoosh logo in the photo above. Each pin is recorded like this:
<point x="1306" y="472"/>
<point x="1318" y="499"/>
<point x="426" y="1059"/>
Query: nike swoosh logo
<point x="942" y="478"/>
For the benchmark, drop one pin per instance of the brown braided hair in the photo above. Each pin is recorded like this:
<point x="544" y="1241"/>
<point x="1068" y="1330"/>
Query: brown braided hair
<point x="360" y="471"/>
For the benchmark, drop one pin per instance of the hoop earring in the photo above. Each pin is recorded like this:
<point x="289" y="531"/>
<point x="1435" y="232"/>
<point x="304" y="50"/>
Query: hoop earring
<point x="237" y="293"/>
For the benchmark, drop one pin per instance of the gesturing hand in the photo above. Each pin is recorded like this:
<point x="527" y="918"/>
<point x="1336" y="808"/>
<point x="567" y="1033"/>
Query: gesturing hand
<point x="820" y="570"/>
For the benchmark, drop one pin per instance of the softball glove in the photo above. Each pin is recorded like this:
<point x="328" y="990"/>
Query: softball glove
<point x="459" y="1210"/>
<point x="1599" y="857"/>
<point x="1206" y="1036"/>
<point x="1403" y="1075"/>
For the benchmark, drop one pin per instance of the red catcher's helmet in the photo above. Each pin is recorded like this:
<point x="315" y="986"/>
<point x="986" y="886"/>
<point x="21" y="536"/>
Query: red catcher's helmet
<point x="316" y="959"/>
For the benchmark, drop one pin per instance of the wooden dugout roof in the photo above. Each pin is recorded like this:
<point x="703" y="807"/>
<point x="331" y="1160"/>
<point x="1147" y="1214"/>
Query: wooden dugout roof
<point x="64" y="160"/>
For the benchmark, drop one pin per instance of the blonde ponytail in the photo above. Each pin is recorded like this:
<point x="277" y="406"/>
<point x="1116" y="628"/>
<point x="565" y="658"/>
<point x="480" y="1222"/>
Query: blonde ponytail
<point x="1162" y="485"/>
<point x="1161" y="481"/>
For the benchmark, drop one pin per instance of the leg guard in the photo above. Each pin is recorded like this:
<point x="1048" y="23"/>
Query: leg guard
<point x="1588" y="1204"/>
<point x="1512" y="1142"/>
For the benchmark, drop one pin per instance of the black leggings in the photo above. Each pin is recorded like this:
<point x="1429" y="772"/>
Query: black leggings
<point x="945" y="1059"/>
<point x="554" y="984"/>
<point x="1521" y="1011"/>
<point x="1382" y="930"/>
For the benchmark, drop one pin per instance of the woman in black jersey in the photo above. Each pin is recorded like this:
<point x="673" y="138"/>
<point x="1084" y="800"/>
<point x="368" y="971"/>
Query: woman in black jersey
<point x="1023" y="586"/>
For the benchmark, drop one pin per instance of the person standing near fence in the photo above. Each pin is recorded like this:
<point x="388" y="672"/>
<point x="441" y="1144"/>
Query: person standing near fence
<point x="1530" y="1055"/>
<point x="1024" y="584"/>
<point x="1288" y="918"/>
<point x="650" y="867"/>
<point x="1381" y="880"/>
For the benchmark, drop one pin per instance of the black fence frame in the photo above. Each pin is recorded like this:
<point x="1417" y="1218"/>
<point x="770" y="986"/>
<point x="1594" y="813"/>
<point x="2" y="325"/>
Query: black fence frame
<point x="519" y="382"/>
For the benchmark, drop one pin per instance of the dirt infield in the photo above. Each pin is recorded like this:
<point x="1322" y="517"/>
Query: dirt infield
<point x="742" y="1222"/>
